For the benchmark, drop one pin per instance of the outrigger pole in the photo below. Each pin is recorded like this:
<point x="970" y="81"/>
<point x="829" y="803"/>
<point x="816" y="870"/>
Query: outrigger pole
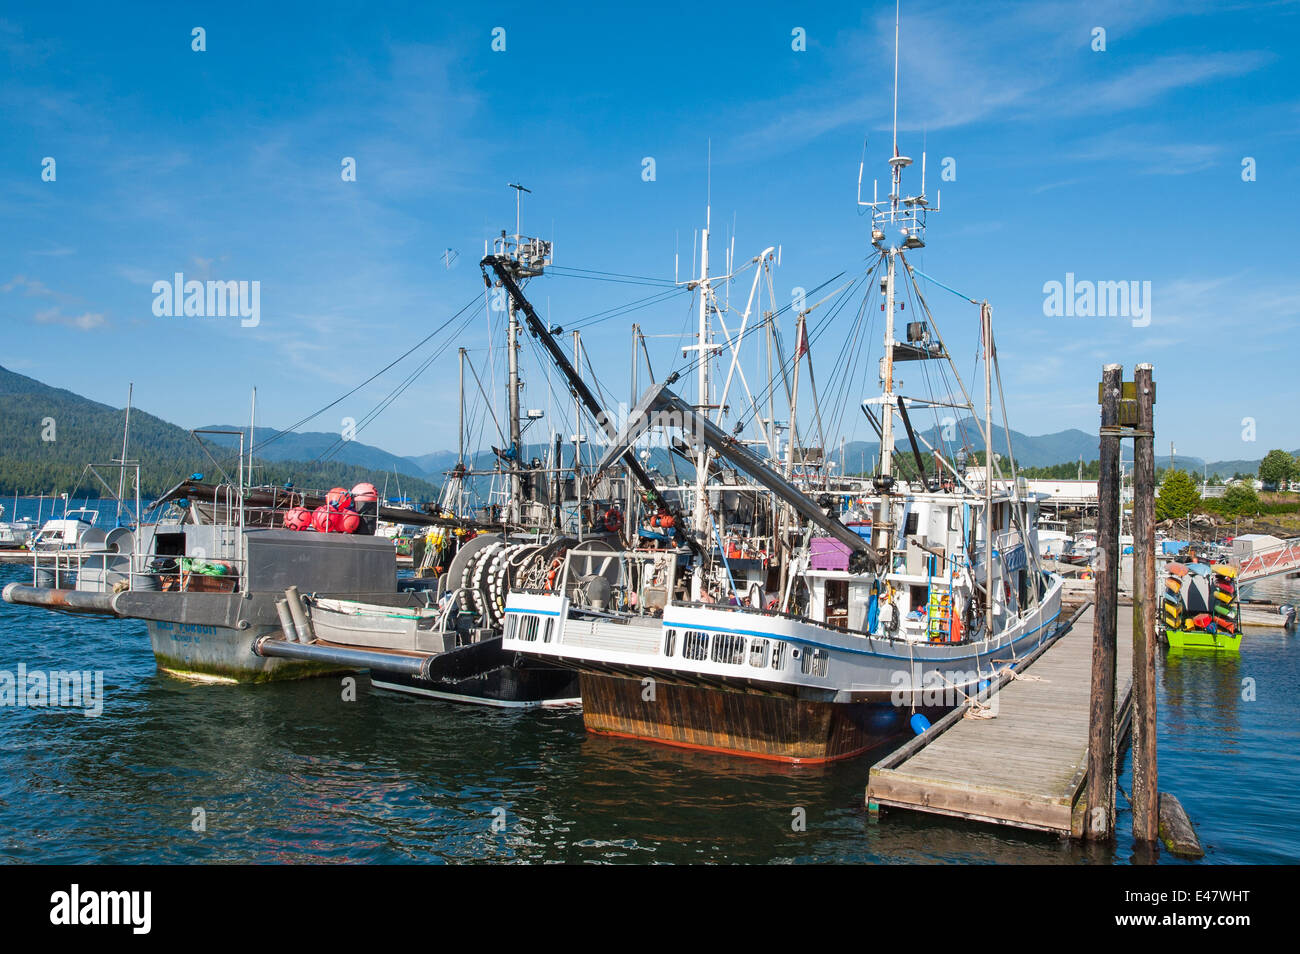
<point x="499" y="264"/>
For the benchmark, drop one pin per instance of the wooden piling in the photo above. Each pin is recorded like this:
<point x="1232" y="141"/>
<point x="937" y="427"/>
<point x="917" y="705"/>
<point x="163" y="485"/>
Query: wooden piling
<point x="1146" y="604"/>
<point x="1176" y="829"/>
<point x="1100" y="821"/>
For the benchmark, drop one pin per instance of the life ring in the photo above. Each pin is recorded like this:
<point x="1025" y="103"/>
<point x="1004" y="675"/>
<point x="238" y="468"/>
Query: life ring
<point x="613" y="520"/>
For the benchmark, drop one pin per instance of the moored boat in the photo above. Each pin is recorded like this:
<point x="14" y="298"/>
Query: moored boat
<point x="1200" y="607"/>
<point x="849" y="636"/>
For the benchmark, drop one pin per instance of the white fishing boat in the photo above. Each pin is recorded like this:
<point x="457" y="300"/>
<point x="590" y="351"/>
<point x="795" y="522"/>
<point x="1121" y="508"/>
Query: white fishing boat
<point x="1054" y="539"/>
<point x="854" y="635"/>
<point x="68" y="532"/>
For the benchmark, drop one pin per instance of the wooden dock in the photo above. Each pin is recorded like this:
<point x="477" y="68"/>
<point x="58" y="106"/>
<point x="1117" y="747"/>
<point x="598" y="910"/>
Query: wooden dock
<point x="1026" y="767"/>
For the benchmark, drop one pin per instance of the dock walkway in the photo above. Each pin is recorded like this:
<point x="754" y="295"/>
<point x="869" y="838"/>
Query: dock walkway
<point x="1027" y="767"/>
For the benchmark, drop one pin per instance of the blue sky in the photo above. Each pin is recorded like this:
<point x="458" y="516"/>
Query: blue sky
<point x="1122" y="165"/>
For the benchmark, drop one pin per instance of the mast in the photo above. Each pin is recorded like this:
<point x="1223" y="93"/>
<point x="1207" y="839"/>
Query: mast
<point x="460" y="418"/>
<point x="887" y="401"/>
<point x="252" y="431"/>
<point x="897" y="223"/>
<point x="121" y="474"/>
<point x="793" y="435"/>
<point x="700" y="516"/>
<point x="986" y="330"/>
<point x="524" y="257"/>
<point x="577" y="431"/>
<point x="512" y="398"/>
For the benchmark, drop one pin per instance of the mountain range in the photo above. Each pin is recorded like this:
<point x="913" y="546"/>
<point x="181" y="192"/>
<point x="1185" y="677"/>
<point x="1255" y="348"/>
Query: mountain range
<point x="48" y="435"/>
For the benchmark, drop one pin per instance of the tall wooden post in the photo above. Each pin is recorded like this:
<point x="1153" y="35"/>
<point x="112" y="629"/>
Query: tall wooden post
<point x="1146" y="798"/>
<point x="1100" y="823"/>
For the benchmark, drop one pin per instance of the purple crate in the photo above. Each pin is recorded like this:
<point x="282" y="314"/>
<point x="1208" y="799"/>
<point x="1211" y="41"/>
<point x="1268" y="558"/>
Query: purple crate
<point x="827" y="553"/>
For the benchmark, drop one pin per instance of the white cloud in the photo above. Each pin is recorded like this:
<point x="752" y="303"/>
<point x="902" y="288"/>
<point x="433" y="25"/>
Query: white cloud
<point x="83" y="322"/>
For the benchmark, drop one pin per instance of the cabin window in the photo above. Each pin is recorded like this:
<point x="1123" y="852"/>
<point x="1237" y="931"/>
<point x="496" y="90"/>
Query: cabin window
<point x="528" y="628"/>
<point x="670" y="641"/>
<point x="695" y="645"/>
<point x="909" y="528"/>
<point x="778" y="656"/>
<point x="547" y="629"/>
<point x="813" y="662"/>
<point x="728" y="648"/>
<point x="512" y="624"/>
<point x="758" y="652"/>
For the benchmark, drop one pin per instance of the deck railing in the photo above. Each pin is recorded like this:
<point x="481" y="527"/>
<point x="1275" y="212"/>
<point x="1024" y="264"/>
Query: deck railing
<point x="1280" y="558"/>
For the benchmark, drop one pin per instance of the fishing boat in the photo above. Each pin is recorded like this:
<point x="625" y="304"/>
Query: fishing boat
<point x="848" y="638"/>
<point x="1081" y="550"/>
<point x="242" y="582"/>
<point x="1054" y="539"/>
<point x="212" y="566"/>
<point x="67" y="532"/>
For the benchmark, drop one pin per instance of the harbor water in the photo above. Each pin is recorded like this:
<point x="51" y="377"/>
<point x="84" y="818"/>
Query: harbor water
<point x="172" y="771"/>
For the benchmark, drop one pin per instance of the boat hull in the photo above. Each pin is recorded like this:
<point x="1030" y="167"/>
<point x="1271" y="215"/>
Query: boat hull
<point x="206" y="653"/>
<point x="1200" y="639"/>
<point x="736" y="721"/>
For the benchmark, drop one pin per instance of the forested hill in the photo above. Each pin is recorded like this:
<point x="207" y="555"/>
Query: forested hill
<point x="48" y="436"/>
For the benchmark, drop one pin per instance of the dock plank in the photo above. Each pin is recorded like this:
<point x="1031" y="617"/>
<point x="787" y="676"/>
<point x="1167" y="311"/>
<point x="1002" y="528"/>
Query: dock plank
<point x="1028" y="765"/>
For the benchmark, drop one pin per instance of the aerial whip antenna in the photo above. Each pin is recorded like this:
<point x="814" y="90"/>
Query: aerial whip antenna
<point x="896" y="9"/>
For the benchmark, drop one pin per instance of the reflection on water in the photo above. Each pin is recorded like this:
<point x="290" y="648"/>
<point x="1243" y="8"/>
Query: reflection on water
<point x="1200" y="690"/>
<point x="293" y="773"/>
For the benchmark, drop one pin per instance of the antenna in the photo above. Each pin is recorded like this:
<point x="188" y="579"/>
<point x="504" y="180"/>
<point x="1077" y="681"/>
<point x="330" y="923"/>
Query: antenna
<point x="519" y="194"/>
<point x="923" y="138"/>
<point x="708" y="184"/>
<point x="897" y="4"/>
<point x="862" y="163"/>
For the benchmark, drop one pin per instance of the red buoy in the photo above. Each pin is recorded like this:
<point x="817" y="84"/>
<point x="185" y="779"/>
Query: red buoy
<point x="320" y="519"/>
<point x="299" y="518"/>
<point x="349" y="520"/>
<point x="365" y="493"/>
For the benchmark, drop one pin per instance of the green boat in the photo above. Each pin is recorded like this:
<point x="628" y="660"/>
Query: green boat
<point x="1200" y="639"/>
<point x="1194" y="611"/>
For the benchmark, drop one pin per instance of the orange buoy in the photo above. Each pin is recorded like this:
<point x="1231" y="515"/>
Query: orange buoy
<point x="299" y="518"/>
<point x="320" y="519"/>
<point x="365" y="493"/>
